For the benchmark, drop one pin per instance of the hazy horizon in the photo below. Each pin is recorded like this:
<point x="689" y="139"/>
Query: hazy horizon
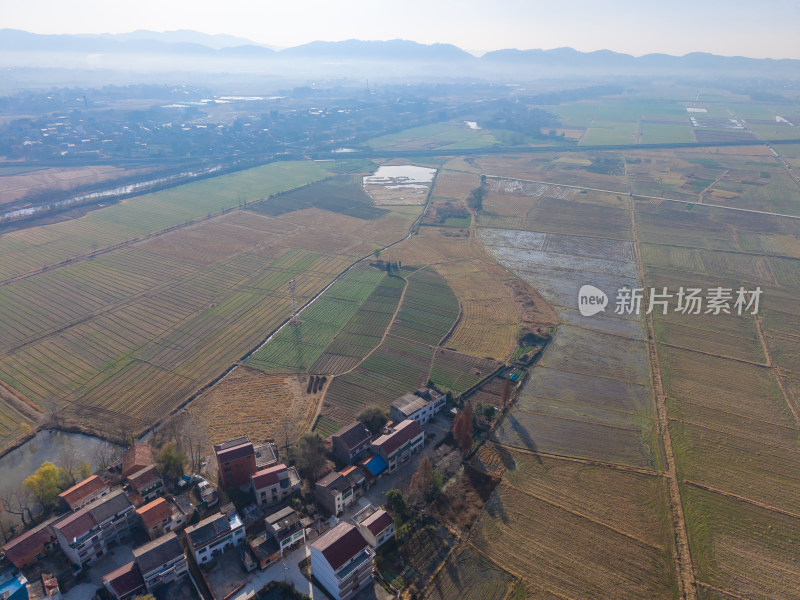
<point x="734" y="28"/>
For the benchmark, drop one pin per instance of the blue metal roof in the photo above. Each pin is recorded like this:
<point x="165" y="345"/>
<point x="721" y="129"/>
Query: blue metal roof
<point x="376" y="465"/>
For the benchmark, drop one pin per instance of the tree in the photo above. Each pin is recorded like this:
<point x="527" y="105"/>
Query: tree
<point x="309" y="456"/>
<point x="18" y="502"/>
<point x="374" y="418"/>
<point x="44" y="484"/>
<point x="463" y="428"/>
<point x="171" y="461"/>
<point x="396" y="502"/>
<point x="424" y="483"/>
<point x="377" y="253"/>
<point x="506" y="394"/>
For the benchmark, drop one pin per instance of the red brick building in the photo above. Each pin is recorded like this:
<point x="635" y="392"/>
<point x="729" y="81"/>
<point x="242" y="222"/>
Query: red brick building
<point x="236" y="461"/>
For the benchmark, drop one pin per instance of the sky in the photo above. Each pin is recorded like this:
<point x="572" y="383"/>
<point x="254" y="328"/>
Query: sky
<point x="732" y="28"/>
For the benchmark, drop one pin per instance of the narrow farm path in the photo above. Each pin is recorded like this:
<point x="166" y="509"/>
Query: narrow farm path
<point x="776" y="370"/>
<point x="685" y="571"/>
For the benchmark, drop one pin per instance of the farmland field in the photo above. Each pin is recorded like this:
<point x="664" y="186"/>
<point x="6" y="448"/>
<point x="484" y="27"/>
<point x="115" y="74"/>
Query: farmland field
<point x="255" y="396"/>
<point x="117" y="341"/>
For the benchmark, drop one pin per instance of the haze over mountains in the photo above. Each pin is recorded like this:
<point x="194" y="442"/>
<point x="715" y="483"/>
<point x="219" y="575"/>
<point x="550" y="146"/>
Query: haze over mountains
<point x="198" y="52"/>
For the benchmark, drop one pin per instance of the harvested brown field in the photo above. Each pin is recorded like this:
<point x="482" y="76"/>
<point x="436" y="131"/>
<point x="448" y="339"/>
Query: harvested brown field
<point x="468" y="575"/>
<point x="744" y="550"/>
<point x="253" y="403"/>
<point x="567" y="553"/>
<point x="625" y="501"/>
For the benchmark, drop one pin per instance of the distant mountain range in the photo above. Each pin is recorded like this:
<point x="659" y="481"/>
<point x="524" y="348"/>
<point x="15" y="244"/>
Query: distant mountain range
<point x="23" y="48"/>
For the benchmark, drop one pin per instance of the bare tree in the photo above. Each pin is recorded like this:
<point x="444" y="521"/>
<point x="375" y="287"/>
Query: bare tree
<point x="105" y="454"/>
<point x="19" y="502"/>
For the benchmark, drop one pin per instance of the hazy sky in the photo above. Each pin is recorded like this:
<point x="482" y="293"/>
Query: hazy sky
<point x="731" y="27"/>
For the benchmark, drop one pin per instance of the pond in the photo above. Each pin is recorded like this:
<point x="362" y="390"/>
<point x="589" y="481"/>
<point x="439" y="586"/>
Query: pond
<point x="47" y="445"/>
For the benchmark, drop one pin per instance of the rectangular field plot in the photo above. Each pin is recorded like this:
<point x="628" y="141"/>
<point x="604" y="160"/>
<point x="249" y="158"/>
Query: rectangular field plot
<point x="577" y="438"/>
<point x="723" y="384"/>
<point x="740" y="548"/>
<point x="753" y="469"/>
<point x="570" y="392"/>
<point x="632" y="503"/>
<point x="567" y="553"/>
<point x="729" y="336"/>
<point x="593" y="353"/>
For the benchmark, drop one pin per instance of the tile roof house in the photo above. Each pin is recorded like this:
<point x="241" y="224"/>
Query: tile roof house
<point x="161" y="561"/>
<point x="406" y="439"/>
<point x="125" y="582"/>
<point x="214" y="535"/>
<point x="377" y="526"/>
<point x="160" y="516"/>
<point x="85" y="535"/>
<point x="50" y="587"/>
<point x="274" y="484"/>
<point x="350" y="442"/>
<point x="83" y="492"/>
<point x="147" y="482"/>
<point x="266" y="549"/>
<point x="26" y="549"/>
<point x="334" y="492"/>
<point x="136" y="458"/>
<point x="342" y="561"/>
<point x="236" y="461"/>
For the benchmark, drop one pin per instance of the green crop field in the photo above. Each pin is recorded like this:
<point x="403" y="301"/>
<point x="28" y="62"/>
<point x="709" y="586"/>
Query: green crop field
<point x="297" y="347"/>
<point x="428" y="311"/>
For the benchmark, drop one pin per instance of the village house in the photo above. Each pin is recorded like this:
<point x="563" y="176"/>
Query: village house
<point x="273" y="485"/>
<point x="372" y="467"/>
<point x="342" y="561"/>
<point x="421" y="406"/>
<point x="287" y="529"/>
<point x="401" y="443"/>
<point x="36" y="543"/>
<point x="236" y="461"/>
<point x="80" y="494"/>
<point x="350" y="442"/>
<point x="159" y="517"/>
<point x="376" y="525"/>
<point x="87" y="534"/>
<point x="334" y="492"/>
<point x="161" y="561"/>
<point x="266" y="550"/>
<point x="136" y="458"/>
<point x="147" y="483"/>
<point x="214" y="535"/>
<point x="125" y="583"/>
